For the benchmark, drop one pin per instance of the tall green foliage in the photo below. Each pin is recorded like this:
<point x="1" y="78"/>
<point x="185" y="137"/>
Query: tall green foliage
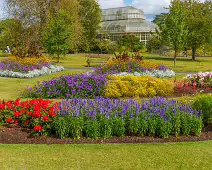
<point x="130" y="42"/>
<point x="32" y="16"/>
<point x="175" y="29"/>
<point x="188" y="24"/>
<point x="62" y="31"/>
<point x="90" y="16"/>
<point x="11" y="32"/>
<point x="57" y="34"/>
<point x="198" y="19"/>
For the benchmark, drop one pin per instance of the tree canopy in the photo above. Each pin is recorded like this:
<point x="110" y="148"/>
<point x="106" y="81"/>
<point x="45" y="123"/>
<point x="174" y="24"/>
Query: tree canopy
<point x="187" y="25"/>
<point x="35" y="16"/>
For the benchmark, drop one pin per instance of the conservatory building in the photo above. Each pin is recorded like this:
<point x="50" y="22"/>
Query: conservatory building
<point x="118" y="22"/>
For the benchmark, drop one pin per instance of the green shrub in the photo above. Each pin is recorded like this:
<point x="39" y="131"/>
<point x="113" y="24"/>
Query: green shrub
<point x="204" y="103"/>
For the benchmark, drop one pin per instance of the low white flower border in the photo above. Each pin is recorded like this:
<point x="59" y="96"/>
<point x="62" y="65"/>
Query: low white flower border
<point x="154" y="73"/>
<point x="35" y="73"/>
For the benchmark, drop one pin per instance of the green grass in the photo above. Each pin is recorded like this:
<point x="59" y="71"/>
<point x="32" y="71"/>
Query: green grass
<point x="110" y="156"/>
<point x="10" y="87"/>
<point x="77" y="61"/>
<point x="183" y="64"/>
<point x="3" y="54"/>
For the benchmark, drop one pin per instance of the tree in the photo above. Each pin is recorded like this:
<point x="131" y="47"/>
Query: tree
<point x="62" y="29"/>
<point x="160" y="19"/>
<point x="32" y="15"/>
<point x="198" y="19"/>
<point x="90" y="15"/>
<point x="11" y="32"/>
<point x="154" y="44"/>
<point x="175" y="28"/>
<point x="131" y="42"/>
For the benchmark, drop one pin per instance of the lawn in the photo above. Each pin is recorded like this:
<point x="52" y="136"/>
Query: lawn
<point x="10" y="88"/>
<point x="183" y="64"/>
<point x="110" y="156"/>
<point x="106" y="156"/>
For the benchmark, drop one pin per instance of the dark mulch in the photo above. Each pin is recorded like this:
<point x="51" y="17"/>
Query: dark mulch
<point x="14" y="135"/>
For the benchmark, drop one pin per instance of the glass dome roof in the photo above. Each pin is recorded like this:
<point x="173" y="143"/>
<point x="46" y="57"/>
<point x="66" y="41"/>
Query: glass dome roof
<point x="125" y="20"/>
<point x="129" y="25"/>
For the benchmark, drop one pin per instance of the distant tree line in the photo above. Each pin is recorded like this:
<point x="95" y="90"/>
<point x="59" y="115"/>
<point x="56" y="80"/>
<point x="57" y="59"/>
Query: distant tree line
<point x="58" y="25"/>
<point x="188" y="25"/>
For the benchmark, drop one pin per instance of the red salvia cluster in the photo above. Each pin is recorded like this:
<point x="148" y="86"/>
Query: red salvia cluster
<point x="35" y="114"/>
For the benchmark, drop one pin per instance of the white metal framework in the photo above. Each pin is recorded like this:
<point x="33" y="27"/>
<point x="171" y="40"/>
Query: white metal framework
<point x="118" y="22"/>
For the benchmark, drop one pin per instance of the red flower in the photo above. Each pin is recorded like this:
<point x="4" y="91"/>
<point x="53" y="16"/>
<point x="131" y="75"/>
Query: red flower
<point x="37" y="128"/>
<point x="36" y="114"/>
<point x="2" y="106"/>
<point x="45" y="118"/>
<point x="29" y="113"/>
<point x="26" y="123"/>
<point x="9" y="120"/>
<point x="9" y="104"/>
<point x="22" y="111"/>
<point x="17" y="102"/>
<point x="32" y="102"/>
<point x="37" y="108"/>
<point x="52" y="114"/>
<point x="17" y="114"/>
<point x="16" y="121"/>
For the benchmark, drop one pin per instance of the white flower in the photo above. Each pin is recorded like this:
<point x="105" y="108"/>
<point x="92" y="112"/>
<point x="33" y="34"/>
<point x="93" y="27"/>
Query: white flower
<point x="154" y="73"/>
<point x="35" y="73"/>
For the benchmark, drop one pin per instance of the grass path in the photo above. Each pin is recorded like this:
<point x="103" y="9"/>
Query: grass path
<point x="111" y="156"/>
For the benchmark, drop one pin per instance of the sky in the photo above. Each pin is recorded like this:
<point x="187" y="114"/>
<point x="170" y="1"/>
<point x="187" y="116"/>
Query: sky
<point x="2" y="6"/>
<point x="148" y="6"/>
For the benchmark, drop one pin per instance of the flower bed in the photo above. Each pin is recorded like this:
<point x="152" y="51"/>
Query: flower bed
<point x="92" y="85"/>
<point x="131" y="86"/>
<point x="135" y="67"/>
<point x="29" y="66"/>
<point x="200" y="79"/>
<point x="154" y="73"/>
<point x="196" y="83"/>
<point x="34" y="73"/>
<point x="83" y="85"/>
<point x="34" y="114"/>
<point x="102" y="117"/>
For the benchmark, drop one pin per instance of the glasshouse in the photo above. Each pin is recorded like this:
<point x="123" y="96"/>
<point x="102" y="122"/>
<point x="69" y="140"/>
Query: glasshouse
<point x="118" y="22"/>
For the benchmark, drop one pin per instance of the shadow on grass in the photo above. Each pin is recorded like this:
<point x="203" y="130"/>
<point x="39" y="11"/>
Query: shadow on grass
<point x="172" y="58"/>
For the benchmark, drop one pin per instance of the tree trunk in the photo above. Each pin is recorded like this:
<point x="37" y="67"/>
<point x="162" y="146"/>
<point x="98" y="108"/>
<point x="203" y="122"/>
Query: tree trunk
<point x="175" y="58"/>
<point x="193" y="53"/>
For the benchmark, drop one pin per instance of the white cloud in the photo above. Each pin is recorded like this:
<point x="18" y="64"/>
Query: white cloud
<point x="111" y="3"/>
<point x="148" y="6"/>
<point x="151" y="6"/>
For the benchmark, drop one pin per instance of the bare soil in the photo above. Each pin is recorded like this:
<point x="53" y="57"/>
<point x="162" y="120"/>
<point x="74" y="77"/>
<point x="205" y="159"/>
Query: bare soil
<point x="15" y="135"/>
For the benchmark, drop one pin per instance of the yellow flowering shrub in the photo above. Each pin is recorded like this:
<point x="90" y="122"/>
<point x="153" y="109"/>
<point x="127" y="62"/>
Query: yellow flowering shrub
<point x="30" y="60"/>
<point x="135" y="86"/>
<point x="124" y="63"/>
